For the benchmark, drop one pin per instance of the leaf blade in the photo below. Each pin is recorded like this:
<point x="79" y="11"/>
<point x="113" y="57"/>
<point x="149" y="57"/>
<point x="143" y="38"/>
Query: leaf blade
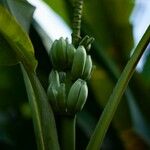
<point x="43" y="117"/>
<point x="109" y="111"/>
<point x="17" y="38"/>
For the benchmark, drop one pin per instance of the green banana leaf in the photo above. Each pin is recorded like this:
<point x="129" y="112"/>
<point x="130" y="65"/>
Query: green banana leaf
<point x="17" y="39"/>
<point x="21" y="10"/>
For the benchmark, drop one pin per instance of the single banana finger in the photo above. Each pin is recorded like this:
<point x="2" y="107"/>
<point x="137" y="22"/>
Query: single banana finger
<point x="88" y="68"/>
<point x="82" y="97"/>
<point x="61" y="97"/>
<point x="78" y="63"/>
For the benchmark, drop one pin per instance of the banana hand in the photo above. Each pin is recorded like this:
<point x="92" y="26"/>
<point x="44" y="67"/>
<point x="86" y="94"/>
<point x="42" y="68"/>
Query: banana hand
<point x="62" y="54"/>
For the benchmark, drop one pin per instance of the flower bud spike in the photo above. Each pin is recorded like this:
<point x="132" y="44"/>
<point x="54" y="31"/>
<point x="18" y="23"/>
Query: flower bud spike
<point x="84" y="40"/>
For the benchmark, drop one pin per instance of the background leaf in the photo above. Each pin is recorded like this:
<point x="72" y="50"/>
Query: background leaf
<point x="7" y="57"/>
<point x="16" y="129"/>
<point x="21" y="10"/>
<point x="43" y="118"/>
<point x="60" y="7"/>
<point x="18" y="39"/>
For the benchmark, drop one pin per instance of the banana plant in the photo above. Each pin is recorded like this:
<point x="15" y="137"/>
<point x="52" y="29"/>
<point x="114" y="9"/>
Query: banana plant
<point x="55" y="109"/>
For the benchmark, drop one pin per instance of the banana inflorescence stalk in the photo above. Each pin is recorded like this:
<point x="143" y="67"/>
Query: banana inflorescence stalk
<point x="67" y="90"/>
<point x="72" y="67"/>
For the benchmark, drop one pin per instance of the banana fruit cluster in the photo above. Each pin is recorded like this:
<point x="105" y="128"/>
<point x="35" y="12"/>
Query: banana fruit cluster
<point x="62" y="54"/>
<point x="68" y="89"/>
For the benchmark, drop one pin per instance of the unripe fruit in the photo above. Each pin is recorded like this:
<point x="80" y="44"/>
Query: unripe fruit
<point x="52" y="96"/>
<point x="78" y="63"/>
<point x="88" y="68"/>
<point x="54" y="80"/>
<point x="62" y="54"/>
<point x="77" y="96"/>
<point x="61" y="97"/>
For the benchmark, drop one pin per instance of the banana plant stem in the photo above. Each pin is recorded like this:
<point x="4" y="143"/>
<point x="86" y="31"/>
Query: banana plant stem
<point x="113" y="102"/>
<point x="78" y="6"/>
<point x="67" y="132"/>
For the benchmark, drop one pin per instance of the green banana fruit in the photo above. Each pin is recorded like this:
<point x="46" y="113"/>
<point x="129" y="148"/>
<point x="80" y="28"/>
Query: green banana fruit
<point x="58" y="54"/>
<point x="54" y="80"/>
<point x="61" y="97"/>
<point x="78" y="63"/>
<point x="73" y="95"/>
<point x="70" y="50"/>
<point x="52" y="54"/>
<point x="84" y="40"/>
<point x="62" y="54"/>
<point x="54" y="83"/>
<point x="82" y="97"/>
<point x="89" y="42"/>
<point x="52" y="96"/>
<point x="62" y="76"/>
<point x="56" y="91"/>
<point x="88" y="68"/>
<point x="77" y="96"/>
